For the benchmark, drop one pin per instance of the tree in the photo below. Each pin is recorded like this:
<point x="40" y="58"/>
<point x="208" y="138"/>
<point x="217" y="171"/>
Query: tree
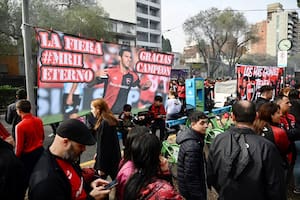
<point x="77" y="17"/>
<point x="259" y="59"/>
<point x="10" y="23"/>
<point x="221" y="36"/>
<point x="166" y="44"/>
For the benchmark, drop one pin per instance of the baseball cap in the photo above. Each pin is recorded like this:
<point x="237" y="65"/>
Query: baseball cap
<point x="76" y="131"/>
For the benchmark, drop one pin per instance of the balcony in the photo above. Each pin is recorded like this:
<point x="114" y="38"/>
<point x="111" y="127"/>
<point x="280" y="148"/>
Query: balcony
<point x="141" y="8"/>
<point x="141" y="22"/>
<point x="154" y="12"/>
<point x="142" y="36"/>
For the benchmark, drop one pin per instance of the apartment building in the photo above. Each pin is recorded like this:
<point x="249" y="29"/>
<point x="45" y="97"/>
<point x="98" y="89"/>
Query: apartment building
<point x="282" y="24"/>
<point x="122" y="15"/>
<point x="148" y="13"/>
<point x="135" y="22"/>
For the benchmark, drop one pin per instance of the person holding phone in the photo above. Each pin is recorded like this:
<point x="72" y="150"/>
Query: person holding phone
<point x="126" y="167"/>
<point x="57" y="175"/>
<point x="146" y="182"/>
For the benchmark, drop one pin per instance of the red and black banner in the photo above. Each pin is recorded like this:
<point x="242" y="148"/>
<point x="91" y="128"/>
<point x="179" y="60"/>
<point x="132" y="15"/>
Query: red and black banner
<point x="251" y="78"/>
<point x="74" y="70"/>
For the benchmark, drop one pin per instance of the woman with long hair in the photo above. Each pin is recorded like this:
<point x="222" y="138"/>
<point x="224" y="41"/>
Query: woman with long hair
<point x="126" y="165"/>
<point x="268" y="125"/>
<point x="145" y="182"/>
<point x="108" y="154"/>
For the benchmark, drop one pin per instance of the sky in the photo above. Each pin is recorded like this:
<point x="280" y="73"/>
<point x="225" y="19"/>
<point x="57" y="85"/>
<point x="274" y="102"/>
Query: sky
<point x="175" y="12"/>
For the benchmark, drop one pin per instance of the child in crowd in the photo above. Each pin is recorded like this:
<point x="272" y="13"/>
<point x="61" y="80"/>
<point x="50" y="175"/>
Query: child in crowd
<point x="158" y="113"/>
<point x="125" y="122"/>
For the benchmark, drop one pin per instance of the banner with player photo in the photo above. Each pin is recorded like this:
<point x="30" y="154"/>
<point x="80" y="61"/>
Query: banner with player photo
<point x="251" y="78"/>
<point x="72" y="71"/>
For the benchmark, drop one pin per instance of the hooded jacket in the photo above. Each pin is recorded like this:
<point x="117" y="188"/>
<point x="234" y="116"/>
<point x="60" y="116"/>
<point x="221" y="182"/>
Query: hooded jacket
<point x="191" y="165"/>
<point x="244" y="165"/>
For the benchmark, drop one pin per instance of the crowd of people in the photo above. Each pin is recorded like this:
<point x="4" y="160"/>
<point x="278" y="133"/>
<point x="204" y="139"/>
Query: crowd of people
<point x="255" y="159"/>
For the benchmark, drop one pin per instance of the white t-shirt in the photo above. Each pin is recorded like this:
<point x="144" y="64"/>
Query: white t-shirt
<point x="173" y="106"/>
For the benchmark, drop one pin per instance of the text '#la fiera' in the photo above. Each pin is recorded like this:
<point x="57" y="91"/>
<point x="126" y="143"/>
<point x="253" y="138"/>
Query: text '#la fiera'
<point x="51" y="40"/>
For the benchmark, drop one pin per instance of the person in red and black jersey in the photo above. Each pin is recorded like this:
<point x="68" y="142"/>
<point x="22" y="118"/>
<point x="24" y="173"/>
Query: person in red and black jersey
<point x="268" y="125"/>
<point x="288" y="122"/>
<point x="118" y="81"/>
<point x="158" y="113"/>
<point x="57" y="175"/>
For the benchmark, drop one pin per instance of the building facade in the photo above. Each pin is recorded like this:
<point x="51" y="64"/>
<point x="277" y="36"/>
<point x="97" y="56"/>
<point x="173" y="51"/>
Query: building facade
<point x="122" y="15"/>
<point x="135" y="22"/>
<point x="259" y="46"/>
<point x="148" y="13"/>
<point x="281" y="24"/>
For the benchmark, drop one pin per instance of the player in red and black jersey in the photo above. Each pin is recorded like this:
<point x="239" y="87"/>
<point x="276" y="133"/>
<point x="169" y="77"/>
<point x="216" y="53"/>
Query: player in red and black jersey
<point x="118" y="81"/>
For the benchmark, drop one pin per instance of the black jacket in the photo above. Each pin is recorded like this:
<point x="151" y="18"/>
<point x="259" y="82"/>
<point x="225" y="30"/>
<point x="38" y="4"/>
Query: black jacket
<point x="11" y="117"/>
<point x="260" y="101"/>
<point x="295" y="110"/>
<point x="191" y="165"/>
<point x="12" y="179"/>
<point x="108" y="150"/>
<point x="244" y="165"/>
<point x="48" y="181"/>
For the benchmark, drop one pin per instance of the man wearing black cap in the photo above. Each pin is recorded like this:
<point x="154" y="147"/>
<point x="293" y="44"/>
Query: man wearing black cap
<point x="11" y="116"/>
<point x="57" y="175"/>
<point x="266" y="94"/>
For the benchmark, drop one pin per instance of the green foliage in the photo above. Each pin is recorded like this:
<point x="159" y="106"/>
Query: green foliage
<point x="7" y="96"/>
<point x="259" y="59"/>
<point x="10" y="23"/>
<point x="73" y="17"/>
<point x="77" y="17"/>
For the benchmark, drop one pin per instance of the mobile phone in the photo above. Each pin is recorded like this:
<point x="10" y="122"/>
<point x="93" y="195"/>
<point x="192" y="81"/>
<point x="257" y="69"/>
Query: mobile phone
<point x="110" y="185"/>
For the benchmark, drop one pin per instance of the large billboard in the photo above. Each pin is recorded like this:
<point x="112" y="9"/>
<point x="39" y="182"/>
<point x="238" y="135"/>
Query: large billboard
<point x="74" y="70"/>
<point x="251" y="78"/>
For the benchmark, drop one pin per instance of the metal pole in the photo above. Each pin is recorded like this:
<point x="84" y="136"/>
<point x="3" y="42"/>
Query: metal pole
<point x="27" y="55"/>
<point x="208" y="65"/>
